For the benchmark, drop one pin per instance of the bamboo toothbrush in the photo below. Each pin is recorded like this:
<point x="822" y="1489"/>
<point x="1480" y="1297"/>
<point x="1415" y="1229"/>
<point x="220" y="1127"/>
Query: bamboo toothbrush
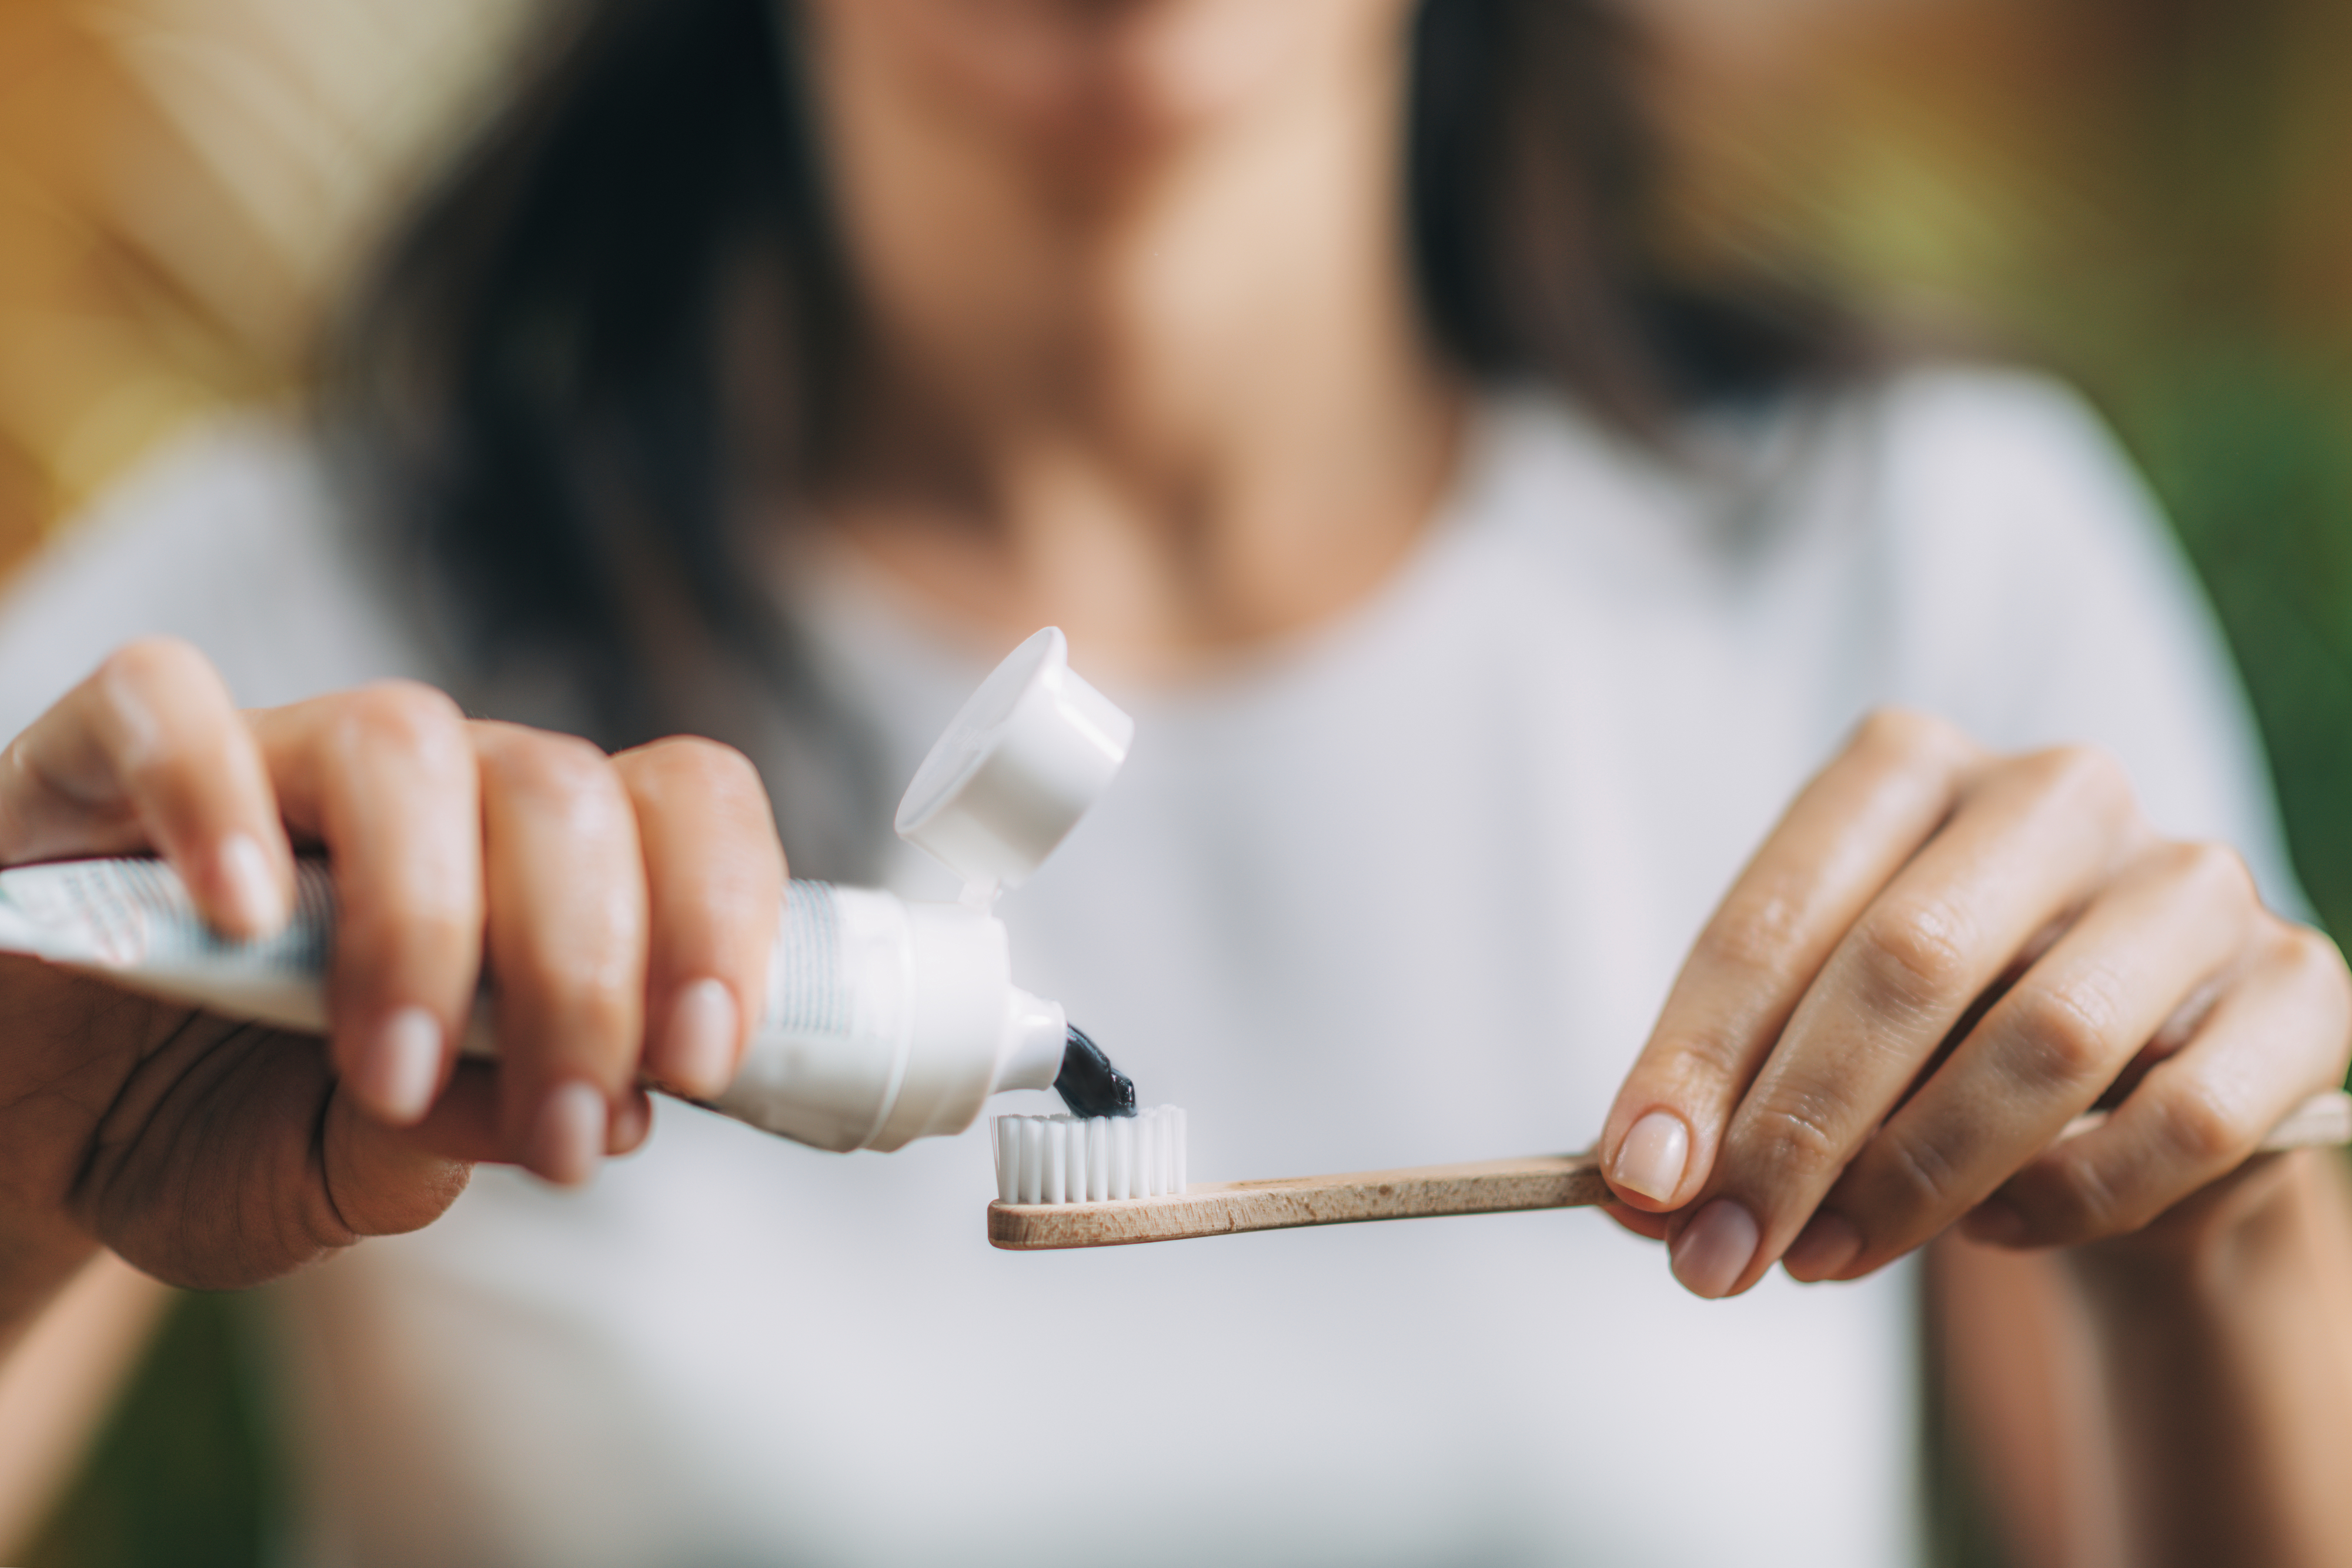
<point x="1064" y="1182"/>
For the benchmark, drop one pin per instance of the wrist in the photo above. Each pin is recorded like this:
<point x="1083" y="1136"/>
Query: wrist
<point x="36" y="1263"/>
<point x="2211" y="1251"/>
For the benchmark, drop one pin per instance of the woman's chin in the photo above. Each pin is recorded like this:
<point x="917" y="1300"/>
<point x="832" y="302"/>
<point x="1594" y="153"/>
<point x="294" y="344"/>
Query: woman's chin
<point x="1106" y="83"/>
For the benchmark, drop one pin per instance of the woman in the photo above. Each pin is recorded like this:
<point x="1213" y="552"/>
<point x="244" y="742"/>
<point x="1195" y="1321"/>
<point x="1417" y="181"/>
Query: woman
<point x="1484" y="597"/>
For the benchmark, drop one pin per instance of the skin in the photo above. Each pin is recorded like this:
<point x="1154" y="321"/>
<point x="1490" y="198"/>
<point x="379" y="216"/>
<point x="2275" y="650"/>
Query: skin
<point x="1144" y="363"/>
<point x="1146" y="360"/>
<point x="1938" y="958"/>
<point x="606" y="892"/>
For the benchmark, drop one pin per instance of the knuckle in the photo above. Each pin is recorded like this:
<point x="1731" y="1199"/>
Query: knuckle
<point x="2079" y="776"/>
<point x="558" y="771"/>
<point x="2205" y="873"/>
<point x="146" y="691"/>
<point x="2202" y="1128"/>
<point x="2315" y="965"/>
<point x="2210" y="872"/>
<point x="2067" y="1033"/>
<point x="146" y="661"/>
<point x="1912" y="953"/>
<point x="2073" y="1201"/>
<point x="2307" y="953"/>
<point x="1691" y="1061"/>
<point x="2130" y="1209"/>
<point x="707" y="768"/>
<point x="406" y="717"/>
<point x="1909" y="737"/>
<point x="1922" y="1172"/>
<point x="1793" y="1133"/>
<point x="1755" y="932"/>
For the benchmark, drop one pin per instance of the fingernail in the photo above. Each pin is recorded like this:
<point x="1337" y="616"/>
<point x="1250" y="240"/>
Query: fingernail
<point x="1711" y="1254"/>
<point x="570" y="1134"/>
<point x="697" y="1051"/>
<point x="255" y="900"/>
<point x="1822" y="1249"/>
<point x="397" y="1076"/>
<point x="1995" y="1223"/>
<point x="632" y="1124"/>
<point x="1650" y="1159"/>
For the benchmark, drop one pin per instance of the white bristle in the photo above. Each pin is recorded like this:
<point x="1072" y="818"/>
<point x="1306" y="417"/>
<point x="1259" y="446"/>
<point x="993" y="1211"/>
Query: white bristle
<point x="1033" y="1157"/>
<point x="1066" y="1159"/>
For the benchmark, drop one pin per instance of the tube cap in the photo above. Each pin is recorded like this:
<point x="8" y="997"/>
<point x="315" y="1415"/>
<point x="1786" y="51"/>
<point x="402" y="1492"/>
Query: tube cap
<point x="1030" y="750"/>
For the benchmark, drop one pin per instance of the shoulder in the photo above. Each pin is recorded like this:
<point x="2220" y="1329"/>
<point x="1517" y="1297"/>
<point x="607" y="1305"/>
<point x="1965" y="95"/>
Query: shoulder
<point x="2014" y="534"/>
<point x="1938" y="475"/>
<point x="2041" y="597"/>
<point x="1945" y="410"/>
<point x="1979" y="462"/>
<point x="214" y="502"/>
<point x="1970" y="540"/>
<point x="232" y="537"/>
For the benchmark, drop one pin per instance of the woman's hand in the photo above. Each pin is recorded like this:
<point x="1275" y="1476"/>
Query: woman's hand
<point x="1938" y="958"/>
<point x="625" y="903"/>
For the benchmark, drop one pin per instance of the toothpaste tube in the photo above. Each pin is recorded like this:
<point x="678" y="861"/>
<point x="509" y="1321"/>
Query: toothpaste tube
<point x="886" y="1019"/>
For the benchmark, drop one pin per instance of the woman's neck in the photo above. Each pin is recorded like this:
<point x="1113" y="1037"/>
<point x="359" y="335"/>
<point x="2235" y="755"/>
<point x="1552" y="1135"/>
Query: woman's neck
<point x="1166" y="390"/>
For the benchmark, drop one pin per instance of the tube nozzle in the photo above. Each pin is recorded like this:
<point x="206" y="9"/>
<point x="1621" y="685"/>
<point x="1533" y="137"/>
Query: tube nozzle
<point x="1088" y="1084"/>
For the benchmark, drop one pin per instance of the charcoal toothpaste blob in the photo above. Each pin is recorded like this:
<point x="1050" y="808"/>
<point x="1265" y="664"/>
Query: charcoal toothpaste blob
<point x="886" y="1019"/>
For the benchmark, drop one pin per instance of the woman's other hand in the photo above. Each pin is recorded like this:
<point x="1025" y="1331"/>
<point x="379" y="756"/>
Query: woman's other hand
<point x="625" y="903"/>
<point x="1938" y="958"/>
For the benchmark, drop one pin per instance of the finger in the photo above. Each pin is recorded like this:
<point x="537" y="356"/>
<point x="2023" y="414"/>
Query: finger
<point x="633" y="1122"/>
<point x="2273" y="1040"/>
<point x="2031" y="841"/>
<point x="565" y="874"/>
<point x="2045" y="1053"/>
<point x="1844" y="836"/>
<point x="463" y="1124"/>
<point x="386" y="779"/>
<point x="1640" y="1222"/>
<point x="388" y="1181"/>
<point x="715" y="886"/>
<point x="150" y="753"/>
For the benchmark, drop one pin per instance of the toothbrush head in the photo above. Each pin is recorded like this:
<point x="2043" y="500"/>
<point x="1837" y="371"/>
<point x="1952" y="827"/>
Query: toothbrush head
<point x="1096" y="1159"/>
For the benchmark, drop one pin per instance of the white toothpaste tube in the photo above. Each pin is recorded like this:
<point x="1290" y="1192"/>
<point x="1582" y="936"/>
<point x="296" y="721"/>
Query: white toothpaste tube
<point x="886" y="1019"/>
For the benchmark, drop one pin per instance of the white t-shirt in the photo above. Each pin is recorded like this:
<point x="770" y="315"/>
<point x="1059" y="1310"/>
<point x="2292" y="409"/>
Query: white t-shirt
<point x="1407" y="888"/>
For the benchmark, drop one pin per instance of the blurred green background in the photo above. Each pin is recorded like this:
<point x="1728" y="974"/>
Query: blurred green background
<point x="2154" y="198"/>
<point x="2151" y="197"/>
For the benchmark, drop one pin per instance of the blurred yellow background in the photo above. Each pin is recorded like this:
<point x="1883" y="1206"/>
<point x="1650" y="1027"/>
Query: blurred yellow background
<point x="2153" y="197"/>
<point x="182" y="183"/>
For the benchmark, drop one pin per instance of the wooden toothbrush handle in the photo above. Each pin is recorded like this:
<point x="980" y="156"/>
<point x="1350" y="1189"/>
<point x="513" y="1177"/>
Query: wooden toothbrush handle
<point x="2321" y="1121"/>
<point x="1484" y="1186"/>
<point x="1223" y="1208"/>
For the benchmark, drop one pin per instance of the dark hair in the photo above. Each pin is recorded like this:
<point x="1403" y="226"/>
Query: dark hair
<point x="540" y="378"/>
